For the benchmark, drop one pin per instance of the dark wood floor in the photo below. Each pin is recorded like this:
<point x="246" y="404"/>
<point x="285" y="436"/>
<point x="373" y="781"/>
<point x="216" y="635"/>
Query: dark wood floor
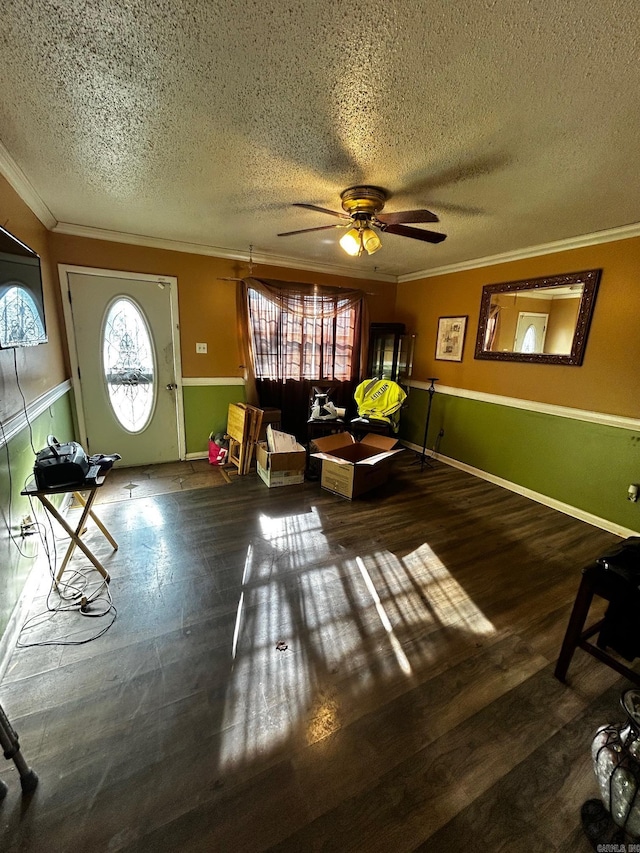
<point x="410" y="706"/>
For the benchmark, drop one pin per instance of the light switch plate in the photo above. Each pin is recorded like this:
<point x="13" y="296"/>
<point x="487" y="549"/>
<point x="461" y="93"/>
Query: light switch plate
<point x="201" y="348"/>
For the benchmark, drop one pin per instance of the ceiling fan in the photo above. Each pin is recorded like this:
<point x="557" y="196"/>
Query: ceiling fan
<point x="362" y="206"/>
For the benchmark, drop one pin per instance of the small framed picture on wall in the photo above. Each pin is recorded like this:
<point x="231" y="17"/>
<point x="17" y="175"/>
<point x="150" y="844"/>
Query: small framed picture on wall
<point x="450" y="340"/>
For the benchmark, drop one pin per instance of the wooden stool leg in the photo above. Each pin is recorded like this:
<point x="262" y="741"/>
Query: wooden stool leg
<point x="575" y="627"/>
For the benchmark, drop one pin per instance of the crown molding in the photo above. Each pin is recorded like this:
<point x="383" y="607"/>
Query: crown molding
<point x="19" y="181"/>
<point x="72" y="230"/>
<point x="623" y="232"/>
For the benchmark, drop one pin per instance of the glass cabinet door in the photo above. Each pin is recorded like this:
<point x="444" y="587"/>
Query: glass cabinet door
<point x="390" y="351"/>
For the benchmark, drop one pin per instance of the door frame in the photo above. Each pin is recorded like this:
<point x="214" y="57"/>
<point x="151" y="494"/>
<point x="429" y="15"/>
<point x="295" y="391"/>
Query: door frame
<point x="63" y="274"/>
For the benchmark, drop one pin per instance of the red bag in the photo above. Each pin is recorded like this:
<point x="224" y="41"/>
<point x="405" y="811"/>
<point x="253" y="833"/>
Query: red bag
<point x="217" y="454"/>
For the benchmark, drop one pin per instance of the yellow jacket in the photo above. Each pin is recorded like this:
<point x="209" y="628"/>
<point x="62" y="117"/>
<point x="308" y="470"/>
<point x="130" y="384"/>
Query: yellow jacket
<point x="379" y="399"/>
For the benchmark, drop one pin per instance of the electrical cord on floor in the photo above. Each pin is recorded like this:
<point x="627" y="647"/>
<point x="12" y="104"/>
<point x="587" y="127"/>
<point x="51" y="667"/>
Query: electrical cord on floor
<point x="72" y="593"/>
<point x="62" y="642"/>
<point x="79" y="603"/>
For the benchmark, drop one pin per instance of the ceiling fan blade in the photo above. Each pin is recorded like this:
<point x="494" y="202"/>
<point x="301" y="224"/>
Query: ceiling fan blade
<point x="322" y="210"/>
<point x="416" y="233"/>
<point x="407" y="216"/>
<point x="304" y="230"/>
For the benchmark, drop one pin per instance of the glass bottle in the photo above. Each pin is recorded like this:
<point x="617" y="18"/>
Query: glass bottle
<point x="616" y="760"/>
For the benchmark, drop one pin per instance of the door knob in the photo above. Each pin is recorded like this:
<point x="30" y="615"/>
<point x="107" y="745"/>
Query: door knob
<point x="171" y="386"/>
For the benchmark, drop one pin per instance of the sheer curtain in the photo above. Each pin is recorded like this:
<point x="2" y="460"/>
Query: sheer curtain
<point x="296" y="335"/>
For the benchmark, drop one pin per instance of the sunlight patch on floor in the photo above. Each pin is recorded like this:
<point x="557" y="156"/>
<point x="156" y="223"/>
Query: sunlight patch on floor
<point x="236" y="630"/>
<point x="403" y="662"/>
<point x="450" y="604"/>
<point x="317" y="628"/>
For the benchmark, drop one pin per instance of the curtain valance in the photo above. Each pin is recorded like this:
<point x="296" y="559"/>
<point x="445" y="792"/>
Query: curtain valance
<point x="306" y="300"/>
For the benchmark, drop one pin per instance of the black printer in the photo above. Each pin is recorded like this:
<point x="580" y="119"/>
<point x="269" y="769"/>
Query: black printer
<point x="59" y="465"/>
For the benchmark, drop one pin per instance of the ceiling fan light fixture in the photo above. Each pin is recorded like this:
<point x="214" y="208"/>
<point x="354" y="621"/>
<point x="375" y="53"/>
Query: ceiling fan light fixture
<point x="370" y="240"/>
<point x="361" y="238"/>
<point x="351" y="242"/>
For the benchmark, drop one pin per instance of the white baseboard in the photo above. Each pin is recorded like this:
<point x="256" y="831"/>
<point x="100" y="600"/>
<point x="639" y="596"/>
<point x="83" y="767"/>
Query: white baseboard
<point x="567" y="509"/>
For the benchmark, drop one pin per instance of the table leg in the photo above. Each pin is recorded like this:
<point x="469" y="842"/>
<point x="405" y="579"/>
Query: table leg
<point x="577" y="619"/>
<point x="99" y="524"/>
<point x="80" y="528"/>
<point x="75" y="536"/>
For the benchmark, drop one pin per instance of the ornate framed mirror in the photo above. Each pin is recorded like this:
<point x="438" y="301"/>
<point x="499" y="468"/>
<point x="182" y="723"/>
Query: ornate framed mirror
<point x="537" y="320"/>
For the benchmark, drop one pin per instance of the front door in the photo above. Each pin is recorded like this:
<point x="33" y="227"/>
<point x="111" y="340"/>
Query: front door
<point x="123" y="340"/>
<point x="530" y="332"/>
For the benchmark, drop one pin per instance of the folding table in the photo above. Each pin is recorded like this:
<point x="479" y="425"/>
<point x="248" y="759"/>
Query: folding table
<point x="43" y="496"/>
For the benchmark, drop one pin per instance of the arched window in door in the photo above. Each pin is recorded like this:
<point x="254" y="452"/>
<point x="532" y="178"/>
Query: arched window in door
<point x="529" y="343"/>
<point x="128" y="362"/>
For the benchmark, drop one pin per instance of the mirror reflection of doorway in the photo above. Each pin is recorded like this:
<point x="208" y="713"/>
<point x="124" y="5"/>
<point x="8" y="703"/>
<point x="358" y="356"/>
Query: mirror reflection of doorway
<point x="530" y="332"/>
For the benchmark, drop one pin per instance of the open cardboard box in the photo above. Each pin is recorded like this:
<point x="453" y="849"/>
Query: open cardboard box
<point x="281" y="468"/>
<point x="350" y="467"/>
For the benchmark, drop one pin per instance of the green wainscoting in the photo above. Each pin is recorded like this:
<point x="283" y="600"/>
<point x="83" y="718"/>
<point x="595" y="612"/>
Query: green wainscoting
<point x="586" y="465"/>
<point x="205" y="411"/>
<point x="16" y="467"/>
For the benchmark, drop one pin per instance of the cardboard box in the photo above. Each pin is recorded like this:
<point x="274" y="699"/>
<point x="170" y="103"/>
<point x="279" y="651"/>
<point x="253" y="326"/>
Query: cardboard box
<point x="280" y="469"/>
<point x="269" y="416"/>
<point x="280" y="442"/>
<point x="350" y="467"/>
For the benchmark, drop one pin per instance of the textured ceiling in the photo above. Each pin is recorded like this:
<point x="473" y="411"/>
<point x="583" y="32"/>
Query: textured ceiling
<point x="515" y="122"/>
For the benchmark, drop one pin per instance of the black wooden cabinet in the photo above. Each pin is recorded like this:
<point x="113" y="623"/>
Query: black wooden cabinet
<point x="390" y="351"/>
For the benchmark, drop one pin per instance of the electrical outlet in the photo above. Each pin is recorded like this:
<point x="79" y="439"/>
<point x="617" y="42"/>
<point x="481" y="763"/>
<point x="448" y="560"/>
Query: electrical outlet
<point x="201" y="348"/>
<point x="27" y="526"/>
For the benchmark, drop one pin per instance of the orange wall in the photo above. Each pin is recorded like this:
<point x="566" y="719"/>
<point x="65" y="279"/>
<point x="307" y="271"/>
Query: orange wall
<point x="508" y="322"/>
<point x="609" y="378"/>
<point x="207" y="304"/>
<point x="39" y="368"/>
<point x="563" y="315"/>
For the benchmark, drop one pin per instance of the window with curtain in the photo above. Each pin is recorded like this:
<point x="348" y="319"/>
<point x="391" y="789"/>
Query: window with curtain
<point x="308" y="336"/>
<point x="293" y="335"/>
